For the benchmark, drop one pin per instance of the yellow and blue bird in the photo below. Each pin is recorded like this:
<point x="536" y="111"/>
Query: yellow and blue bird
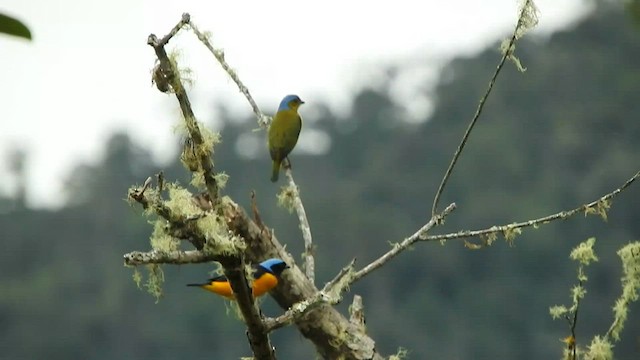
<point x="284" y="131"/>
<point x="265" y="278"/>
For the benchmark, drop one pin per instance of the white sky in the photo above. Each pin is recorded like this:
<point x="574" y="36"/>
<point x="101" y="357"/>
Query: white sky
<point x="87" y="72"/>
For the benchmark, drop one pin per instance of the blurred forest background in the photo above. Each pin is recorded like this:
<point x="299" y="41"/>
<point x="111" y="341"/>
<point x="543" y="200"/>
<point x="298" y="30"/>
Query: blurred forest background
<point x="561" y="134"/>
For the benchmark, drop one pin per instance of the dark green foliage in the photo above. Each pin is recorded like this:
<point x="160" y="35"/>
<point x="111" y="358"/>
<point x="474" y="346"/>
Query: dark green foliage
<point x="562" y="134"/>
<point x="11" y="26"/>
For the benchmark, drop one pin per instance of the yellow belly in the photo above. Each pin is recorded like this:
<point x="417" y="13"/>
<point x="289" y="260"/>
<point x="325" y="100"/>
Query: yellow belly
<point x="222" y="288"/>
<point x="264" y="284"/>
<point x="261" y="286"/>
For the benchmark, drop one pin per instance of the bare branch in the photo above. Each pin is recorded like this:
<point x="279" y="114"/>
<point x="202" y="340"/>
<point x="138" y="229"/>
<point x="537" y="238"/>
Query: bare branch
<point x="173" y="257"/>
<point x="356" y="311"/>
<point x="186" y="18"/>
<point x="309" y="263"/>
<point x="398" y="248"/>
<point x="592" y="207"/>
<point x="263" y="120"/>
<point x="476" y="116"/>
<point x="332" y="291"/>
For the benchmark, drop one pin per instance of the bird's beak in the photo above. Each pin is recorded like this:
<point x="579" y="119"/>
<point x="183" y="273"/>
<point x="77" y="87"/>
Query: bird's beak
<point x="301" y="102"/>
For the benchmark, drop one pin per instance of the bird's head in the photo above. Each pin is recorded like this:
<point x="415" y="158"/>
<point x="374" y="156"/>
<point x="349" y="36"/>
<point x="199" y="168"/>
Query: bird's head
<point x="274" y="266"/>
<point x="290" y="102"/>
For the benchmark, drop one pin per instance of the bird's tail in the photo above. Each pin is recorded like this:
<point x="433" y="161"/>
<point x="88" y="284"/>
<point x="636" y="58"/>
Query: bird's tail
<point x="275" y="171"/>
<point x="198" y="285"/>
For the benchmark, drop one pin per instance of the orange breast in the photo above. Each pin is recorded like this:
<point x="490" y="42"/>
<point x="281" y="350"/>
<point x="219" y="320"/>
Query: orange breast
<point x="222" y="288"/>
<point x="264" y="284"/>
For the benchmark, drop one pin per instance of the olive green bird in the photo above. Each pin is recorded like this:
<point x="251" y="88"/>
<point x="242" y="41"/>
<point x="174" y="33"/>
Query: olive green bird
<point x="284" y="131"/>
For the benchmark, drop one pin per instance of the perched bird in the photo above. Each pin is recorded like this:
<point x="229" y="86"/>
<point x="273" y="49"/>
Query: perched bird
<point x="265" y="278"/>
<point x="284" y="131"/>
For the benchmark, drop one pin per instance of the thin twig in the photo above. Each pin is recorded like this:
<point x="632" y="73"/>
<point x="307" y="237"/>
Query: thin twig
<point x="263" y="120"/>
<point x="186" y="18"/>
<point x="331" y="292"/>
<point x="476" y="116"/>
<point x="586" y="208"/>
<point x="574" y="323"/>
<point x="309" y="262"/>
<point x="398" y="248"/>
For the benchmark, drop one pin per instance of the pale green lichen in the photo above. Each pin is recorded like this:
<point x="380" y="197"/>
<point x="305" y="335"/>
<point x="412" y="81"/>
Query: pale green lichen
<point x="401" y="354"/>
<point x="599" y="349"/>
<point x="137" y="277"/>
<point x="154" y="281"/>
<point x="630" y="257"/>
<point x="205" y="36"/>
<point x="209" y="139"/>
<point x="189" y="157"/>
<point x="584" y="253"/>
<point x="471" y="246"/>
<point x="510" y="233"/>
<point x="197" y="179"/>
<point x="160" y="240"/>
<point x="193" y="154"/>
<point x="489" y="238"/>
<point x="221" y="179"/>
<point x="219" y="239"/>
<point x="509" y="51"/>
<point x="181" y="201"/>
<point x="600" y="208"/>
<point x="182" y="74"/>
<point x="558" y="311"/>
<point x="528" y="20"/>
<point x="286" y="198"/>
<point x="577" y="293"/>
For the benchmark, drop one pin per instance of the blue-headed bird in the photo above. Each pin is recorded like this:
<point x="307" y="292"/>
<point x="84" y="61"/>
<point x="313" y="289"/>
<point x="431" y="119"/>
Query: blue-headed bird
<point x="265" y="278"/>
<point x="284" y="131"/>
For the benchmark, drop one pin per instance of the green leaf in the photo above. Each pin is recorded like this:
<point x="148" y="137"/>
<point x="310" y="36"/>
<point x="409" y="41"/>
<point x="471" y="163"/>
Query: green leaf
<point x="11" y="26"/>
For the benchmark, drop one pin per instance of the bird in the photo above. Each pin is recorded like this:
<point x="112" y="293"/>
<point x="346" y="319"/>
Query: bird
<point x="265" y="278"/>
<point x="284" y="131"/>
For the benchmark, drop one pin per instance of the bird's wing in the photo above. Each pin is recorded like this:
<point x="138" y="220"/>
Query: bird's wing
<point x="219" y="278"/>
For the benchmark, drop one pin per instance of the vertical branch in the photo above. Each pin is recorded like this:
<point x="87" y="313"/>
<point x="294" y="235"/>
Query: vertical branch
<point x="234" y="266"/>
<point x="356" y="312"/>
<point x="173" y="77"/>
<point x="574" y="323"/>
<point x="256" y="330"/>
<point x="309" y="262"/>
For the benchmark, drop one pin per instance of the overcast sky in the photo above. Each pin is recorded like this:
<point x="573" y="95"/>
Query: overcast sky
<point x="87" y="72"/>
